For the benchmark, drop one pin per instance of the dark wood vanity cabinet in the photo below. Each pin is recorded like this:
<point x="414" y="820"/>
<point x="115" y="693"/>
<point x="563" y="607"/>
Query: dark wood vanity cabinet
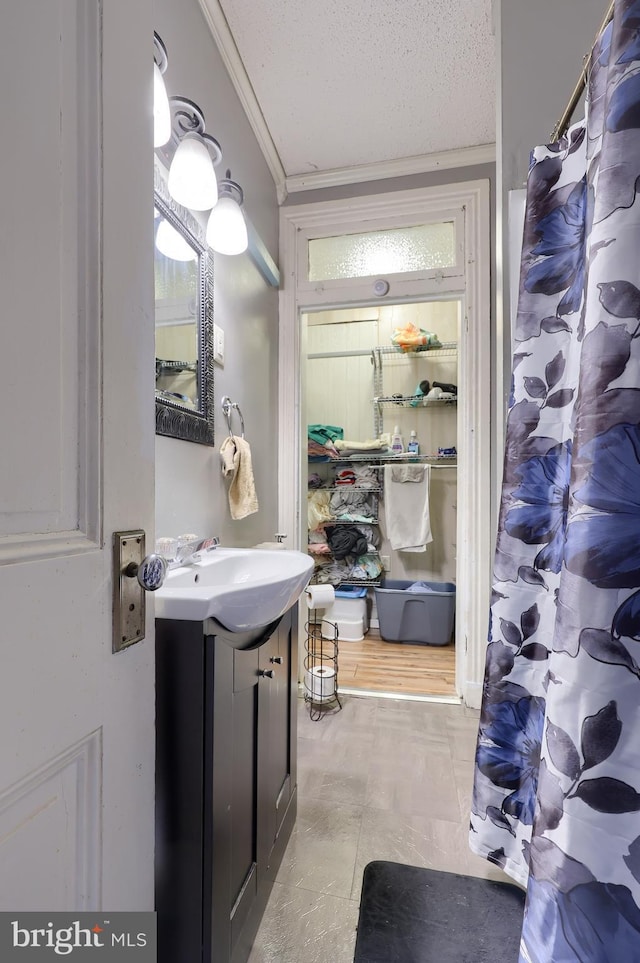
<point x="226" y="783"/>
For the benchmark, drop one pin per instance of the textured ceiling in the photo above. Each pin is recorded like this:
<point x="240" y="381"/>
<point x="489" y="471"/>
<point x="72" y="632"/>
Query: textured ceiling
<point x="349" y="82"/>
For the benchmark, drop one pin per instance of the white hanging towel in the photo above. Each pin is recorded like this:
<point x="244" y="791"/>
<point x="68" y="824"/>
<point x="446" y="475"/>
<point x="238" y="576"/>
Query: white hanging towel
<point x="236" y="462"/>
<point x="406" y="507"/>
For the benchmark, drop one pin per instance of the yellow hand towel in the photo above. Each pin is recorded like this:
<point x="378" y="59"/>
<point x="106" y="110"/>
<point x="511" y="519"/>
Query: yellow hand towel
<point x="236" y="461"/>
<point x="228" y="456"/>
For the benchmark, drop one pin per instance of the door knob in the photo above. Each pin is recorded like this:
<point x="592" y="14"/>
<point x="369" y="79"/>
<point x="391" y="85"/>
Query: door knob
<point x="267" y="673"/>
<point x="150" y="573"/>
<point x="277" y="659"/>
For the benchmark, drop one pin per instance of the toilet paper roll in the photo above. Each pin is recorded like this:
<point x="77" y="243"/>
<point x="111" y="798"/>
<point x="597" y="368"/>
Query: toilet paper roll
<point x="320" y="683"/>
<point x="320" y="596"/>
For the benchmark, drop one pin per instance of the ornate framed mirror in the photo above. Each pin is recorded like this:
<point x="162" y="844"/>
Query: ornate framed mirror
<point x="183" y="267"/>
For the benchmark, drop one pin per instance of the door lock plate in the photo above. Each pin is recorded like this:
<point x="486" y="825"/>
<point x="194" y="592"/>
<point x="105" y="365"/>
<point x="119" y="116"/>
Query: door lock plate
<point x="128" y="595"/>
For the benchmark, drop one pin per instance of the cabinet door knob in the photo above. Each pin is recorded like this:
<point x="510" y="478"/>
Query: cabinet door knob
<point x="277" y="659"/>
<point x="267" y="673"/>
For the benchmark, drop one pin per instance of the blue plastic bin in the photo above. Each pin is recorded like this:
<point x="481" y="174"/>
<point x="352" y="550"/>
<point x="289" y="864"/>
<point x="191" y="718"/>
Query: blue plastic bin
<point x="350" y="592"/>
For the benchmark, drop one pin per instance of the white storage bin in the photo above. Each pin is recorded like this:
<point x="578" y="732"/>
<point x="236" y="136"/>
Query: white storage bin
<point x="350" y="615"/>
<point x="350" y="630"/>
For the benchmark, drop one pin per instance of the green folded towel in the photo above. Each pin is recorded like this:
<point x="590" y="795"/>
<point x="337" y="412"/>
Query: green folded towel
<point x="324" y="433"/>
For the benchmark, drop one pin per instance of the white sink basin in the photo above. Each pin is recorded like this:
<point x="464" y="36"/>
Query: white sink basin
<point x="241" y="588"/>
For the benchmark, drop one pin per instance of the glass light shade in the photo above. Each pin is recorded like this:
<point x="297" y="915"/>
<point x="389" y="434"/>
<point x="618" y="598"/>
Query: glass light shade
<point x="172" y="244"/>
<point x="161" y="110"/>
<point x="192" y="179"/>
<point x="226" y="229"/>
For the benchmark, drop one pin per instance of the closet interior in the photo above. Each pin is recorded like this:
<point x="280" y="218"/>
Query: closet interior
<point x="366" y="390"/>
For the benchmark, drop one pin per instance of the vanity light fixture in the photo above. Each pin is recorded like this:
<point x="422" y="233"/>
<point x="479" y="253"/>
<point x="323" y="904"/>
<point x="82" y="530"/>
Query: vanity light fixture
<point x="192" y="179"/>
<point x="226" y="228"/>
<point x="190" y="154"/>
<point x="161" y="109"/>
<point x="172" y="244"/>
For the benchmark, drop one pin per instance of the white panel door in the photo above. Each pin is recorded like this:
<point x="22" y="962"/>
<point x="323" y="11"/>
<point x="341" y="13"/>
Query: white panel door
<point x="76" y="450"/>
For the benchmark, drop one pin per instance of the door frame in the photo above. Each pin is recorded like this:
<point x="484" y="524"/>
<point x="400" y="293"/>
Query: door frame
<point x="468" y="204"/>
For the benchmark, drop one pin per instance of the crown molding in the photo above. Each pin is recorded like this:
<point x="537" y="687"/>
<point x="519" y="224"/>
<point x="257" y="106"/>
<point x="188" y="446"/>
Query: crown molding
<point x="219" y="27"/>
<point x="401" y="167"/>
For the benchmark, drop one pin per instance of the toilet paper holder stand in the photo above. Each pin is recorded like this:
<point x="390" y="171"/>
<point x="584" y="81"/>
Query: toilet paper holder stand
<point x="321" y="666"/>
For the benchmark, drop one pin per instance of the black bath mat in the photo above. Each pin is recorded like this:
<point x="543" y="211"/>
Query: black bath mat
<point x="414" y="915"/>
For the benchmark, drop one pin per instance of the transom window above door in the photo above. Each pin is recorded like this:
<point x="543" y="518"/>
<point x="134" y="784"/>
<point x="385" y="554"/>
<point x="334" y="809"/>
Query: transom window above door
<point x="396" y="246"/>
<point x="421" y="247"/>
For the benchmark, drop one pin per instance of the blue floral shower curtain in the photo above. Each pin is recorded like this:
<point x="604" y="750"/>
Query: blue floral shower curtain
<point x="557" y="781"/>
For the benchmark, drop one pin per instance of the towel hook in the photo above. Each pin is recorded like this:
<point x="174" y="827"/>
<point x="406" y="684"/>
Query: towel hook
<point x="227" y="407"/>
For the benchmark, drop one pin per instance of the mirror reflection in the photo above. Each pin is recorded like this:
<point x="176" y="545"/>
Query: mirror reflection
<point x="177" y="305"/>
<point x="183" y="267"/>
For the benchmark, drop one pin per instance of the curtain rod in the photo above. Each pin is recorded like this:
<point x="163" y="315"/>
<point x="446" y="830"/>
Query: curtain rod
<point x="563" y="123"/>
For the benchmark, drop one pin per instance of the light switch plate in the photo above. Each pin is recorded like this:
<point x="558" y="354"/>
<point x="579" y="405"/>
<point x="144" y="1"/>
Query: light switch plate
<point x="218" y="344"/>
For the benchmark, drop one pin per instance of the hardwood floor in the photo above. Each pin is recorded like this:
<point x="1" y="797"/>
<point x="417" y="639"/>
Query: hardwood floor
<point x="379" y="666"/>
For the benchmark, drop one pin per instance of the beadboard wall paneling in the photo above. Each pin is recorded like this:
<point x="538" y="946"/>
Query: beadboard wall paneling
<point x="340" y="390"/>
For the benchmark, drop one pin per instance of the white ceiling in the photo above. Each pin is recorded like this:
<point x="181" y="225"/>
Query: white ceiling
<point x="352" y="82"/>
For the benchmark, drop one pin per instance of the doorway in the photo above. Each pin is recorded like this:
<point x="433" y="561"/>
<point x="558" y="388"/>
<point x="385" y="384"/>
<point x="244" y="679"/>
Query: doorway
<point x="395" y="608"/>
<point x="459" y="213"/>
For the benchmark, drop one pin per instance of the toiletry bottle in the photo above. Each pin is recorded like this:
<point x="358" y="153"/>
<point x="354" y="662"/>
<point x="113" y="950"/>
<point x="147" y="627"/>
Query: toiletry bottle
<point x="414" y="445"/>
<point x="397" y="444"/>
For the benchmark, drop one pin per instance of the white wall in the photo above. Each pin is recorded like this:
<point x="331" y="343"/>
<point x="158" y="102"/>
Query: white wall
<point x="190" y="492"/>
<point x="541" y="49"/>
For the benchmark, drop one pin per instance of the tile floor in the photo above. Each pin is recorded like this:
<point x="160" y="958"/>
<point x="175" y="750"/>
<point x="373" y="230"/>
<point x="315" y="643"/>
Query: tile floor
<point x="382" y="779"/>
